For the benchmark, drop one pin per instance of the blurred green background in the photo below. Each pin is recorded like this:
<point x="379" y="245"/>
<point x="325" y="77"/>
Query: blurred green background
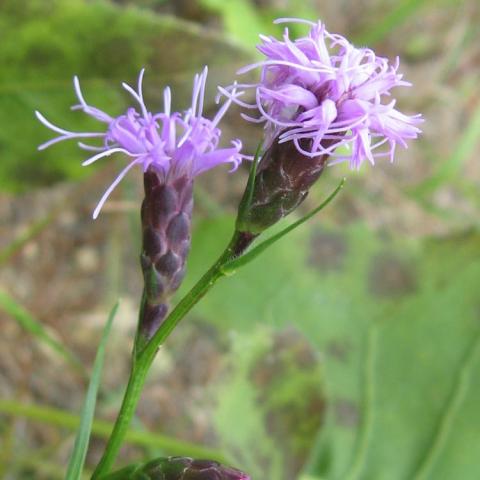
<point x="349" y="351"/>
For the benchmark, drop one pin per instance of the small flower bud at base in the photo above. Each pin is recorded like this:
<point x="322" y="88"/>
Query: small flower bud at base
<point x="178" y="468"/>
<point x="283" y="179"/>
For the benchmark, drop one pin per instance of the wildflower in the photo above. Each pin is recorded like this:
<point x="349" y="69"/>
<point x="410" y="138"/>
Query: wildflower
<point x="170" y="144"/>
<point x="171" y="148"/>
<point x="180" y="468"/>
<point x="321" y="101"/>
<point x="320" y="87"/>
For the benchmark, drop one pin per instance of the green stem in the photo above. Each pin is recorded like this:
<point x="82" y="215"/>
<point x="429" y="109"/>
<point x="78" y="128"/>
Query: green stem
<point x="143" y="358"/>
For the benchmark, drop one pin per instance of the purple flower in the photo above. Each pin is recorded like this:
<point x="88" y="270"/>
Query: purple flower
<point x="172" y="144"/>
<point x="321" y="93"/>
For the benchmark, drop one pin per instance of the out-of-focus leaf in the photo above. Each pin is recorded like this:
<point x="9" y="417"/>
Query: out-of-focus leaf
<point x="244" y="20"/>
<point x="31" y="232"/>
<point x="33" y="326"/>
<point x="402" y="10"/>
<point x="463" y="150"/>
<point x="102" y="429"/>
<point x="77" y="459"/>
<point x="44" y="44"/>
<point x="395" y="324"/>
<point x="240" y="18"/>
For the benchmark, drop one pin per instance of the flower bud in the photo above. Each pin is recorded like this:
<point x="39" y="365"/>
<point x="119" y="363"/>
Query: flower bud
<point x="166" y="221"/>
<point x="282" y="181"/>
<point x="178" y="468"/>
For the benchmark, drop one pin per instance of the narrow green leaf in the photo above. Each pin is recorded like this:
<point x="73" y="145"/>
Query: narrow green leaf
<point x="248" y="195"/>
<point x="398" y="15"/>
<point x="28" y="322"/>
<point x="75" y="466"/>
<point x="233" y="265"/>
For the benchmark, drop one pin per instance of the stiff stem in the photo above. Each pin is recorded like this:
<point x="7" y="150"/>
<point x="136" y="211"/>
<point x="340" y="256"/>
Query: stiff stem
<point x="143" y="358"/>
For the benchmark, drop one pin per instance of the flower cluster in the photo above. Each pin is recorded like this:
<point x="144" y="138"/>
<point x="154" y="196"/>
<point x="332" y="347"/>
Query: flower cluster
<point x="321" y="93"/>
<point x="322" y="102"/>
<point x="173" y="144"/>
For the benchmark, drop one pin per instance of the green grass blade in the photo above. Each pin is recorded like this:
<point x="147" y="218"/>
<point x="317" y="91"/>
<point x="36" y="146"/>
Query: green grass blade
<point x="75" y="465"/>
<point x="102" y="429"/>
<point x="29" y="323"/>
<point x="402" y="11"/>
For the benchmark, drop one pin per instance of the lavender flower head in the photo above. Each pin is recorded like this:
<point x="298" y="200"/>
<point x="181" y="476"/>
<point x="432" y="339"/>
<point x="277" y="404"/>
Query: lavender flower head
<point x="171" y="144"/>
<point x="321" y="93"/>
<point x="172" y="148"/>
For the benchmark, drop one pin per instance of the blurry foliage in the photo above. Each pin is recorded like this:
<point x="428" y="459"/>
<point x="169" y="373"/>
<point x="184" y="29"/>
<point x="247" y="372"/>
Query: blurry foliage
<point x="34" y="327"/>
<point x="240" y="19"/>
<point x="82" y="438"/>
<point x="244" y="19"/>
<point x="46" y="42"/>
<point x="383" y="355"/>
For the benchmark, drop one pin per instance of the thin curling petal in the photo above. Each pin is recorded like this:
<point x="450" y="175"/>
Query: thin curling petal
<point x="94" y="112"/>
<point x="53" y="127"/>
<point x="90" y="148"/>
<point x="138" y="96"/>
<point x="292" y="95"/>
<point x="174" y="144"/>
<point x="294" y="20"/>
<point x="297" y="78"/>
<point x="217" y="157"/>
<point x="64" y="134"/>
<point x="167" y="101"/>
<point x="105" y="153"/>
<point x="112" y="187"/>
<point x="361" y="149"/>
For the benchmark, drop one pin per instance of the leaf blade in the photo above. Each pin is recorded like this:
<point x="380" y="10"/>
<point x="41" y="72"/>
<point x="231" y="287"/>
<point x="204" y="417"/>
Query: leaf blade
<point x="102" y="429"/>
<point x="77" y="459"/>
